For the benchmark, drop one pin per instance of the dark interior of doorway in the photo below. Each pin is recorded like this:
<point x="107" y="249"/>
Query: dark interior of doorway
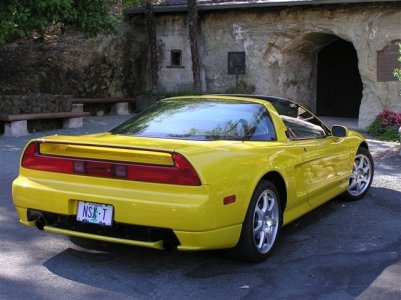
<point x="339" y="85"/>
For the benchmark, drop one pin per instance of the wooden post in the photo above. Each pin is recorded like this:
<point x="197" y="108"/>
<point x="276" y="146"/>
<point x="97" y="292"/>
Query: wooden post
<point x="194" y="42"/>
<point x="152" y="42"/>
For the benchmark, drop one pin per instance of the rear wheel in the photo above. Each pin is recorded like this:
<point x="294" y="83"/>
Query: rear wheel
<point x="361" y="176"/>
<point x="262" y="224"/>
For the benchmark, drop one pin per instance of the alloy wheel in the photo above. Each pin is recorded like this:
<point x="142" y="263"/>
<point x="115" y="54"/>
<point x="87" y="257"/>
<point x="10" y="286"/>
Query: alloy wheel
<point x="361" y="175"/>
<point x="265" y="221"/>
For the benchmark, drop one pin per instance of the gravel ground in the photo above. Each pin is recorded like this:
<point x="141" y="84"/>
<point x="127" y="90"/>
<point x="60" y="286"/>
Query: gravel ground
<point x="387" y="164"/>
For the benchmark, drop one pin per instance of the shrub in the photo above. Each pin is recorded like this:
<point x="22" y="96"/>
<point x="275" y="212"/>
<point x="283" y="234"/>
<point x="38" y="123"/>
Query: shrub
<point x="241" y="87"/>
<point x="386" y="126"/>
<point x="397" y="71"/>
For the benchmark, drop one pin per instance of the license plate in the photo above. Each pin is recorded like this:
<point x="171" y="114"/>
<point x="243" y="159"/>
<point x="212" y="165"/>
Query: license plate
<point x="95" y="213"/>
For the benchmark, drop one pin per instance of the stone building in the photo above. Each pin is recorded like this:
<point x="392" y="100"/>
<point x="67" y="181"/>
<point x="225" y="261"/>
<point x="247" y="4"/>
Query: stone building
<point x="335" y="57"/>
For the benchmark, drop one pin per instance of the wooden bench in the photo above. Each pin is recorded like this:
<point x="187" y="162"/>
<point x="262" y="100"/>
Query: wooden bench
<point x="17" y="125"/>
<point x="119" y="105"/>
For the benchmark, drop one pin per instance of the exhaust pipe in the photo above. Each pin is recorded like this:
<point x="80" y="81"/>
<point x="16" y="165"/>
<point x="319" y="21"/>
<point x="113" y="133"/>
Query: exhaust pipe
<point x="40" y="223"/>
<point x="169" y="246"/>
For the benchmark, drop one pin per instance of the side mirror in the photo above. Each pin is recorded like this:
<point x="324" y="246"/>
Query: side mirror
<point x="339" y="131"/>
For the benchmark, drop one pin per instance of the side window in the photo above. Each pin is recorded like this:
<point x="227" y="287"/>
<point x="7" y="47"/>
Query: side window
<point x="301" y="129"/>
<point x="300" y="123"/>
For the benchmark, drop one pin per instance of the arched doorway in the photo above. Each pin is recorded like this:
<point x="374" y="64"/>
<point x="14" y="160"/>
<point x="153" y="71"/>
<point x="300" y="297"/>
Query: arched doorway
<point x="339" y="85"/>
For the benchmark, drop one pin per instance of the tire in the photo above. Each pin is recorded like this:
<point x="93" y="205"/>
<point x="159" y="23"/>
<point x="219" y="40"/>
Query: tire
<point x="262" y="224"/>
<point x="361" y="175"/>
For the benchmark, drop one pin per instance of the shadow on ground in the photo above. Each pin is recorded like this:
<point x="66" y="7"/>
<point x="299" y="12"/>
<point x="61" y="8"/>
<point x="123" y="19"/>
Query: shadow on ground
<point x="333" y="251"/>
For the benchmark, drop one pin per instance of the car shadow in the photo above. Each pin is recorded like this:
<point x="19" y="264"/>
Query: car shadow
<point x="328" y="252"/>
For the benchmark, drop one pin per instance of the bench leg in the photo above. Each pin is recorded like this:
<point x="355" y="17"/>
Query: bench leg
<point x="120" y="108"/>
<point x="73" y="122"/>
<point x="16" y="128"/>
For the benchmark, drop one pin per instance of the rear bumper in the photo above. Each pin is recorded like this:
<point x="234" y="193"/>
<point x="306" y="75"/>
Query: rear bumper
<point x="190" y="213"/>
<point x="183" y="240"/>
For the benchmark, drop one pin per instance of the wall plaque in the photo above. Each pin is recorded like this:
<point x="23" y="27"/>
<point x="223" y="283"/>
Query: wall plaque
<point x="236" y="63"/>
<point x="387" y="61"/>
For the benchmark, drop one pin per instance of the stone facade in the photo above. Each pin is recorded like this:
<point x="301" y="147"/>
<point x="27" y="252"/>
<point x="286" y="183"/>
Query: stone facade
<point x="172" y="35"/>
<point x="282" y="46"/>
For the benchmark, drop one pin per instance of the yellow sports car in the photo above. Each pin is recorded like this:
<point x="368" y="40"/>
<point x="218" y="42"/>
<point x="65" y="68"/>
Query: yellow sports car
<point x="193" y="173"/>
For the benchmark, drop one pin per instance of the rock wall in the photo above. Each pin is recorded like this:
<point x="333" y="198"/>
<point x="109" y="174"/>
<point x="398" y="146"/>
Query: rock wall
<point x="34" y="103"/>
<point x="281" y="48"/>
<point x="78" y="66"/>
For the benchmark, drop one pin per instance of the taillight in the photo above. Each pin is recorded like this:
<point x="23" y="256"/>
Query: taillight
<point x="181" y="173"/>
<point x="32" y="159"/>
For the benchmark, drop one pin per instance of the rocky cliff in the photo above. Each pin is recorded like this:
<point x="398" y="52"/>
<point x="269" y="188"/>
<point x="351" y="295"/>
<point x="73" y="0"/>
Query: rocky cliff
<point x="77" y="66"/>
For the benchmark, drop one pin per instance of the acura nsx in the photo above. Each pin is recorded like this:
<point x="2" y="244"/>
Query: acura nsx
<point x="193" y="173"/>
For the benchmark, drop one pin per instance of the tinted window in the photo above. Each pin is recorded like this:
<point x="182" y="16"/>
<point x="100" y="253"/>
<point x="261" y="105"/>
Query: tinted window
<point x="300" y="123"/>
<point x="201" y="120"/>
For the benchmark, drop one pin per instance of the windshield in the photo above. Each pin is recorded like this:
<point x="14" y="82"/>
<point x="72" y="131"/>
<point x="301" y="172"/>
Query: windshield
<point x="201" y="120"/>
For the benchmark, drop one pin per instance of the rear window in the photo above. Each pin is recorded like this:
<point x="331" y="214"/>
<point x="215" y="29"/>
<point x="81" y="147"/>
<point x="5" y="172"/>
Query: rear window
<point x="201" y="120"/>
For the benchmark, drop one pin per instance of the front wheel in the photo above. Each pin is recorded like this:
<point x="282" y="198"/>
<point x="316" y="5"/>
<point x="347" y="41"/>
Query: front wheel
<point x="361" y="176"/>
<point x="263" y="220"/>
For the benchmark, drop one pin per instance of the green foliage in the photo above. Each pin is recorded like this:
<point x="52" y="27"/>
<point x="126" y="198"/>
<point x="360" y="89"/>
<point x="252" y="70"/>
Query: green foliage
<point x="385" y="133"/>
<point x="385" y="126"/>
<point x="18" y="18"/>
<point x="241" y="87"/>
<point x="162" y="95"/>
<point x="130" y="3"/>
<point x="178" y="94"/>
<point x="397" y="72"/>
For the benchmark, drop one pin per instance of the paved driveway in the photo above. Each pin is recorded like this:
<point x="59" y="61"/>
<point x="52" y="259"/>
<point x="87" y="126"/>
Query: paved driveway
<point x="339" y="251"/>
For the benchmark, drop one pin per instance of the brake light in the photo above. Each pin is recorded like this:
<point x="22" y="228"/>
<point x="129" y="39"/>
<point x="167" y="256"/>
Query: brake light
<point x="181" y="173"/>
<point x="32" y="159"/>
